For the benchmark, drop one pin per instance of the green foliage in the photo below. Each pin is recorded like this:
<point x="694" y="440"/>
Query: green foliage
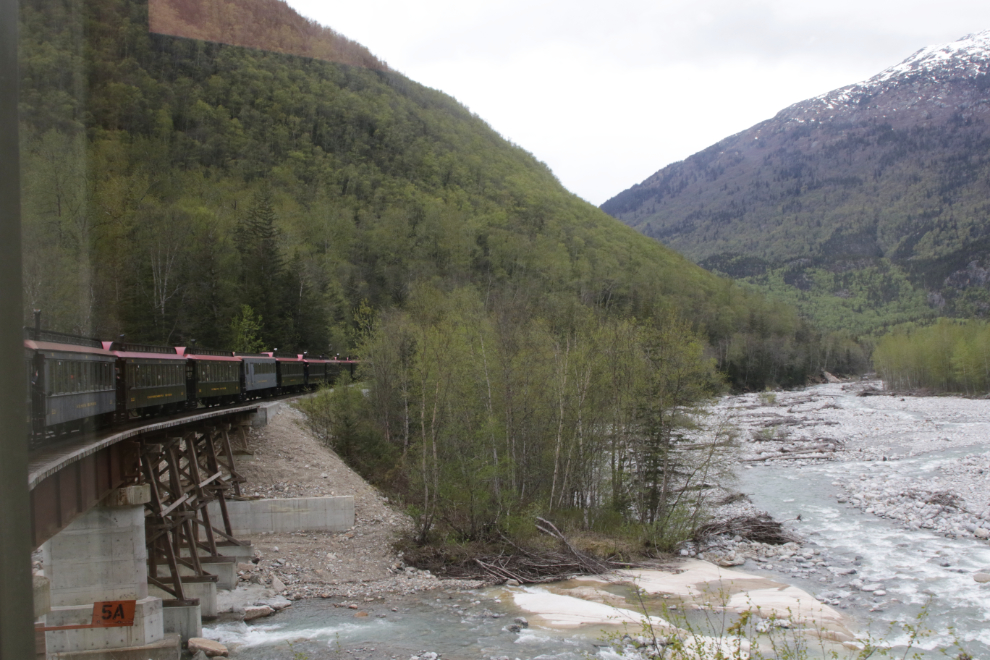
<point x="245" y="332"/>
<point x="500" y="416"/>
<point x="948" y="356"/>
<point x="859" y="300"/>
<point x="341" y="419"/>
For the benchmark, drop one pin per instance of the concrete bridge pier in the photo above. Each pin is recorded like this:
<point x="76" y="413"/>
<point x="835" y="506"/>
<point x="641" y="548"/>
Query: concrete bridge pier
<point x="102" y="556"/>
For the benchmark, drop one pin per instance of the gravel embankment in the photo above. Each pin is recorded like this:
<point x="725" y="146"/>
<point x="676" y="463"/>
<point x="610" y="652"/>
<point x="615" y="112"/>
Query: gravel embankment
<point x="286" y="461"/>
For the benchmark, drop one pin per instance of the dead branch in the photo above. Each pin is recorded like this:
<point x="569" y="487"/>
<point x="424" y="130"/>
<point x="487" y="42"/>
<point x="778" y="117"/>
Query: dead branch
<point x="761" y="529"/>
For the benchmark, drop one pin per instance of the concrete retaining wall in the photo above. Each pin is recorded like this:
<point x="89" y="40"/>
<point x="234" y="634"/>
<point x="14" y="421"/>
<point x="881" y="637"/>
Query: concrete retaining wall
<point x="304" y="514"/>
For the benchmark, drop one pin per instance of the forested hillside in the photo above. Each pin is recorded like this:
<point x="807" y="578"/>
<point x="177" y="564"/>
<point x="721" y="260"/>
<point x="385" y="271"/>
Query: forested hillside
<point x="866" y="206"/>
<point x="178" y="189"/>
<point x="266" y="24"/>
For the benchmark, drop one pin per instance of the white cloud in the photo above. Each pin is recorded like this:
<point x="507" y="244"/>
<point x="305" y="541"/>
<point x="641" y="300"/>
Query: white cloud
<point x="608" y="93"/>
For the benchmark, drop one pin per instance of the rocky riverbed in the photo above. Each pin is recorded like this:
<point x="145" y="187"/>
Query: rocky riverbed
<point x="808" y="427"/>
<point x="887" y="497"/>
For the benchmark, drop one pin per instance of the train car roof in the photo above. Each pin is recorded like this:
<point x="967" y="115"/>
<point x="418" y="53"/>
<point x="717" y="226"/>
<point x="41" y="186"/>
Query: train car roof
<point x="65" y="348"/>
<point x="213" y="358"/>
<point x="129" y="355"/>
<point x="137" y="351"/>
<point x="206" y="355"/>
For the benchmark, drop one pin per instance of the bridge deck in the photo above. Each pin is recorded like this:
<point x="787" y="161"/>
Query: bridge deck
<point x="48" y="460"/>
<point x="67" y="478"/>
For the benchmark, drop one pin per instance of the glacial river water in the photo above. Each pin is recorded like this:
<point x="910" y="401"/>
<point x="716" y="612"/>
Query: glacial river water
<point x="915" y="567"/>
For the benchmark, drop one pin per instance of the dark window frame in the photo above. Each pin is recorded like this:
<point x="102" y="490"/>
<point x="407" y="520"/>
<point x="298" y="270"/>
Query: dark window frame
<point x="16" y="629"/>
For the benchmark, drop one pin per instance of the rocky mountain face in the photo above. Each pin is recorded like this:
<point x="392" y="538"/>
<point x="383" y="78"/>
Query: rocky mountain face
<point x="867" y="206"/>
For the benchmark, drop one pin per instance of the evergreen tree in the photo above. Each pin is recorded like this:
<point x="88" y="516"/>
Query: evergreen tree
<point x="262" y="265"/>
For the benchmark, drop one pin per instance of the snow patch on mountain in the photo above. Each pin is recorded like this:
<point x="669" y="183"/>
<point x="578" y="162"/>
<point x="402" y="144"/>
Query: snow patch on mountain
<point x="968" y="57"/>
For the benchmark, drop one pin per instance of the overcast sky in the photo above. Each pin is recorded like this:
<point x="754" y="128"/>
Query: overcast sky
<point x="609" y="92"/>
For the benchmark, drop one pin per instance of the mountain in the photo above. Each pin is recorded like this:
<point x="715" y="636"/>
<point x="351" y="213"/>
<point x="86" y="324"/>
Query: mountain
<point x="179" y="188"/>
<point x="866" y="206"/>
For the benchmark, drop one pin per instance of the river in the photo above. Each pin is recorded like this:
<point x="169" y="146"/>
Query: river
<point x="875" y="570"/>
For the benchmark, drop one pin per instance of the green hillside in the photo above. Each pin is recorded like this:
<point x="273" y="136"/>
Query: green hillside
<point x="178" y="189"/>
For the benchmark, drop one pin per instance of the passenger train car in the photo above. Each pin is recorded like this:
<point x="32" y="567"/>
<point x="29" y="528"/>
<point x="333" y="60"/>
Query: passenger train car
<point x="77" y="383"/>
<point x="71" y="382"/>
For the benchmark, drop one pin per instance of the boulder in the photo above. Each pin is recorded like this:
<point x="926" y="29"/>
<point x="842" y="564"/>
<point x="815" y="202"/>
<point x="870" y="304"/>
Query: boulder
<point x="257" y="611"/>
<point x="982" y="578"/>
<point x="208" y="647"/>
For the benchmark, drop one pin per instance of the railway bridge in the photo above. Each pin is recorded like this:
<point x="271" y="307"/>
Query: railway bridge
<point x="142" y="515"/>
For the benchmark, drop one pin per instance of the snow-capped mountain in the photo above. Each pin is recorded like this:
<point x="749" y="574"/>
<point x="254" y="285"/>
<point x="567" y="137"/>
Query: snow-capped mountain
<point x="922" y="76"/>
<point x="888" y="178"/>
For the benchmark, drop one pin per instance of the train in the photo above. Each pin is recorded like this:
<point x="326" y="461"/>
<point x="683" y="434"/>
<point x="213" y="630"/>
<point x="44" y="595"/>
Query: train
<point x="78" y="383"/>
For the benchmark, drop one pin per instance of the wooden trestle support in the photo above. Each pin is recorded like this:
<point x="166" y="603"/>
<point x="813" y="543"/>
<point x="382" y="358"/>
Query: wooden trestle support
<point x="186" y="473"/>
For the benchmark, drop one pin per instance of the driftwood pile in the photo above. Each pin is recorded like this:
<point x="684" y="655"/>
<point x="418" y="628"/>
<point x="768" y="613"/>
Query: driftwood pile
<point x="760" y="529"/>
<point x="529" y="566"/>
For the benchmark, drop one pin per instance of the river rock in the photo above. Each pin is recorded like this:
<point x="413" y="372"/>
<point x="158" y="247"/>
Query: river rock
<point x="208" y="647"/>
<point x="870" y="588"/>
<point x="521" y="621"/>
<point x="982" y="578"/>
<point x="981" y="533"/>
<point x="277" y="585"/>
<point x="253" y="612"/>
